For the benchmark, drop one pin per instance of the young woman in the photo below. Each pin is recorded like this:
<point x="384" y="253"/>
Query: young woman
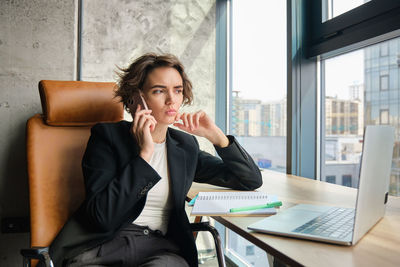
<point x="137" y="174"/>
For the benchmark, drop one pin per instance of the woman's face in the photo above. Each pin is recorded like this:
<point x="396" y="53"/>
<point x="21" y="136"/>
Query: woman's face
<point x="163" y="93"/>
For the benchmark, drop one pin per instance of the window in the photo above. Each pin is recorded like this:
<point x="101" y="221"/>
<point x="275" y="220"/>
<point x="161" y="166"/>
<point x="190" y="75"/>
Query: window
<point x="359" y="86"/>
<point x="250" y="250"/>
<point x="349" y="24"/>
<point x="354" y="125"/>
<point x="331" y="179"/>
<point x="334" y="8"/>
<point x="243" y="252"/>
<point x="341" y="107"/>
<point x="258" y="89"/>
<point x="384" y="82"/>
<point x="346" y="180"/>
<point x="257" y="96"/>
<point x="334" y="126"/>
<point x="342" y="126"/>
<point x="384" y="50"/>
<point x="334" y="106"/>
<point x="353" y="108"/>
<point x="384" y="116"/>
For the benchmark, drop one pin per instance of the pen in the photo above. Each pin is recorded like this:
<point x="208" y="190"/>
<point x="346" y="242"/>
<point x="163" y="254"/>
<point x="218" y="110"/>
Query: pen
<point x="257" y="207"/>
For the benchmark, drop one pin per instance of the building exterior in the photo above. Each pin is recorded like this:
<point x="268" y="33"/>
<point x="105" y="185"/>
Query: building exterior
<point x="261" y="128"/>
<point x="251" y="117"/>
<point x="246" y="116"/>
<point x="274" y="116"/>
<point x="376" y="102"/>
<point x="343" y="117"/>
<point x="344" y="124"/>
<point x="342" y="159"/>
<point x="381" y="95"/>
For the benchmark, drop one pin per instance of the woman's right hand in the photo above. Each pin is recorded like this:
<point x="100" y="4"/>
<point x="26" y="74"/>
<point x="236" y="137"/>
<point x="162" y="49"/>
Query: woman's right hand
<point x="142" y="126"/>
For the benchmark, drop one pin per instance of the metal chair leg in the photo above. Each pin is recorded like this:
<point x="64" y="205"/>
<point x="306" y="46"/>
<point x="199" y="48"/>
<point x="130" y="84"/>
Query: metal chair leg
<point x="205" y="226"/>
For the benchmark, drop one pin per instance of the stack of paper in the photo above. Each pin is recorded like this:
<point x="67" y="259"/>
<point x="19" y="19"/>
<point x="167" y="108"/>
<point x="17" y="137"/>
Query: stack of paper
<point x="220" y="203"/>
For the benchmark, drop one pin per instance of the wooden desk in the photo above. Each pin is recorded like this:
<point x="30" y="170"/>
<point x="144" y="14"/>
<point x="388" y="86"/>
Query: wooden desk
<point x="380" y="247"/>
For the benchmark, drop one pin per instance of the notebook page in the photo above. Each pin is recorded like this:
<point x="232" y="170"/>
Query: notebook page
<point x="219" y="203"/>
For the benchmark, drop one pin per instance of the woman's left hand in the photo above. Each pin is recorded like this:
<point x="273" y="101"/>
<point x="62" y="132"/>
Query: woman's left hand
<point x="200" y="124"/>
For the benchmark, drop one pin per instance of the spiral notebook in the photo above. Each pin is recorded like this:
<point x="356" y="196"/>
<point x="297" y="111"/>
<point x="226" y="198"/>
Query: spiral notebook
<point x="219" y="203"/>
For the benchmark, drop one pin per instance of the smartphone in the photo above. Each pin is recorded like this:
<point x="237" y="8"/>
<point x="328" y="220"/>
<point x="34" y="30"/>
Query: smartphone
<point x="131" y="103"/>
<point x="144" y="102"/>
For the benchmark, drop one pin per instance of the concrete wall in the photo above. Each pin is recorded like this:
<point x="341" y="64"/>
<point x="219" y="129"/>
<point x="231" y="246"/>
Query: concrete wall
<point x="117" y="32"/>
<point x="38" y="41"/>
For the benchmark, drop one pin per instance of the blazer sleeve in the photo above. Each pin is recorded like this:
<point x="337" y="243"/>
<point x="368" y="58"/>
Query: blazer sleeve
<point x="235" y="169"/>
<point x="113" y="193"/>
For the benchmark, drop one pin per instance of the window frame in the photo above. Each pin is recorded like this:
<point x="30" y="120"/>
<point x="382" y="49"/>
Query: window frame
<point x="309" y="41"/>
<point x="363" y="23"/>
<point x="377" y="22"/>
<point x="222" y="52"/>
<point x="224" y="90"/>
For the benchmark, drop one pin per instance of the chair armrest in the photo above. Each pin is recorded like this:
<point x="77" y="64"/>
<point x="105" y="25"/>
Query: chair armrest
<point x="201" y="226"/>
<point x="38" y="253"/>
<point x="205" y="226"/>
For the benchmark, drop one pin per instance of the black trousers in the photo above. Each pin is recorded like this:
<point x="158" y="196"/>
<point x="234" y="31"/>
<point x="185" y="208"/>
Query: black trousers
<point x="133" y="246"/>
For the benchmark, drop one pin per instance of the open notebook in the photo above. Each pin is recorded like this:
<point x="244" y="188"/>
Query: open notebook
<point x="219" y="203"/>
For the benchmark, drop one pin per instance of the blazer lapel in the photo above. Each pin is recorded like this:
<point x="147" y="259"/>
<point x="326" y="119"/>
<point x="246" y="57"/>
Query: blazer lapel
<point x="176" y="167"/>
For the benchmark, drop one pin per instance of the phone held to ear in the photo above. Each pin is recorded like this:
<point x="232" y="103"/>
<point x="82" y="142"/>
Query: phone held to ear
<point x="144" y="102"/>
<point x="131" y="102"/>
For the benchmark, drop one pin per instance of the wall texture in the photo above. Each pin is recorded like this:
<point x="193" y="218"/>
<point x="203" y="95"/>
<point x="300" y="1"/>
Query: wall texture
<point x="38" y="41"/>
<point x="117" y="32"/>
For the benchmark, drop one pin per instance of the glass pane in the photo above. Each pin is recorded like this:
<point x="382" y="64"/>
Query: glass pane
<point x="257" y="107"/>
<point x="258" y="88"/>
<point x="245" y="251"/>
<point x="334" y="8"/>
<point x="358" y="94"/>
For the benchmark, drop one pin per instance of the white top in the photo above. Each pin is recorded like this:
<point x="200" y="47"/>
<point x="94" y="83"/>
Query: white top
<point x="155" y="213"/>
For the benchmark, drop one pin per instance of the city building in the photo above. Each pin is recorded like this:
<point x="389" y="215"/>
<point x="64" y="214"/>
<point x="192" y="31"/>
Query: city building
<point x="342" y="159"/>
<point x="381" y="95"/>
<point x="273" y="118"/>
<point x="344" y="117"/>
<point x="252" y="117"/>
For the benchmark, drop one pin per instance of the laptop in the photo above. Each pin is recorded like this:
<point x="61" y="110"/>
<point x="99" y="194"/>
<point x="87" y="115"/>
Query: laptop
<point x="338" y="225"/>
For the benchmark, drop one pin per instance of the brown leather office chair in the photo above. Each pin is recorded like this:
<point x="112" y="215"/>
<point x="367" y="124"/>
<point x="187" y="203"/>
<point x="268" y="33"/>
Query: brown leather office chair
<point x="55" y="143"/>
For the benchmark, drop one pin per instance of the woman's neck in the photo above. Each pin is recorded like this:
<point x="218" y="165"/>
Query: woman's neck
<point x="160" y="133"/>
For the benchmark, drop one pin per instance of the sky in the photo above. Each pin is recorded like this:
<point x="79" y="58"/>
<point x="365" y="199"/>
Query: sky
<point x="343" y="71"/>
<point x="259" y="49"/>
<point x="259" y="52"/>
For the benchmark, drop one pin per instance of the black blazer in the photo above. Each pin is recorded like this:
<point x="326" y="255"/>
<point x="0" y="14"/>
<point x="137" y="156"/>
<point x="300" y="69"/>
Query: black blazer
<point x="117" y="180"/>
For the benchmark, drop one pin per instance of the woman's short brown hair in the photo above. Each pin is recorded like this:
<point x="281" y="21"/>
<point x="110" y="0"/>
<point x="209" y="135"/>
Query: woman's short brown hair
<point x="133" y="77"/>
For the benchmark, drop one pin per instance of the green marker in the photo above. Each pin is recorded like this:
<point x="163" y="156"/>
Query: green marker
<point x="257" y="207"/>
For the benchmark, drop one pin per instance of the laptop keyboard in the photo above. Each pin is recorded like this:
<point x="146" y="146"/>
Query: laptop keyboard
<point x="335" y="223"/>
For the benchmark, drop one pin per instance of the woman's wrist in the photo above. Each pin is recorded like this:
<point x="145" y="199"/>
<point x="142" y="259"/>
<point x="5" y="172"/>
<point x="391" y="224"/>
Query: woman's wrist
<point x="218" y="138"/>
<point x="145" y="155"/>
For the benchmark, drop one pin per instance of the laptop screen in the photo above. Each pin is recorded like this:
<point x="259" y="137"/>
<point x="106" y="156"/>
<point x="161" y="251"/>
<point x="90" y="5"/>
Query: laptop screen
<point x="374" y="178"/>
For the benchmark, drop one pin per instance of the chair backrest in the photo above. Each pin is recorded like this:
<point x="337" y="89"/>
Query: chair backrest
<point x="56" y="141"/>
